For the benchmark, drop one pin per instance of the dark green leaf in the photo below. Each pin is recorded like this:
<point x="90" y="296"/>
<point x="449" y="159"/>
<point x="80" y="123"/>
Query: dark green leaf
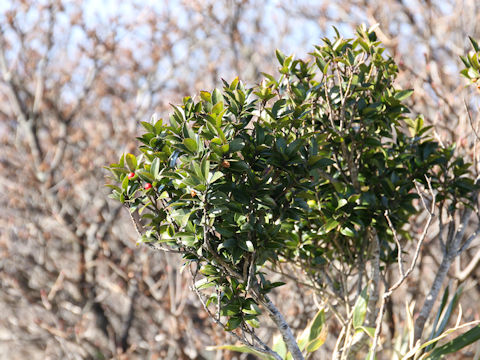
<point x="474" y="44"/>
<point x="236" y="144"/>
<point x="456" y="344"/>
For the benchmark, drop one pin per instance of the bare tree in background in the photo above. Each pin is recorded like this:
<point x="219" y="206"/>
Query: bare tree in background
<point x="74" y="85"/>
<point x="73" y="89"/>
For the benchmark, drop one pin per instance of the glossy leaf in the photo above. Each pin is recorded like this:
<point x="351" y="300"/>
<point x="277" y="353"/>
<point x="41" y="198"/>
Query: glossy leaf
<point x="131" y="161"/>
<point x="191" y="144"/>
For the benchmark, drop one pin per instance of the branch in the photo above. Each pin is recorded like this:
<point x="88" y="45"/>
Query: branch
<point x="399" y="245"/>
<point x="281" y="325"/>
<point x="470" y="120"/>
<point x="265" y="349"/>
<point x="372" y="314"/>
<point x="403" y="275"/>
<point x="451" y="253"/>
<point x="24" y="117"/>
<point x="273" y="312"/>
<point x="127" y="324"/>
<point x="465" y="273"/>
<point x="140" y="230"/>
<point x="467" y="242"/>
<point x="420" y="242"/>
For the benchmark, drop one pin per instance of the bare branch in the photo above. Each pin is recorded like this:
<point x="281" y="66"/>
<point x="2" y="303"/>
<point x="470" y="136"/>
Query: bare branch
<point x="399" y="245"/>
<point x="281" y="325"/>
<point x="403" y="275"/>
<point x="470" y="120"/>
<point x="264" y="349"/>
<point x="453" y="243"/>
<point x="470" y="268"/>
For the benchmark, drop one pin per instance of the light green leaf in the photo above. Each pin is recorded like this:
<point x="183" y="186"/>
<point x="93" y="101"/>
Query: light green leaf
<point x="280" y="56"/>
<point x="330" y="225"/>
<point x="216" y="96"/>
<point x="206" y="96"/>
<point x="148" y="126"/>
<point x="370" y="331"/>
<point x="342" y="203"/>
<point x="131" y="161"/>
<point x="403" y="94"/>
<point x="191" y="144"/>
<point x="205" y="167"/>
<point x="315" y="344"/>
<point x="146" y="175"/>
<point x="279" y="346"/>
<point x="253" y="310"/>
<point x="347" y="231"/>
<point x="370" y="356"/>
<point x="125" y="183"/>
<point x="155" y="167"/>
<point x="471" y="333"/>
<point x="217" y="109"/>
<point x="444" y="313"/>
<point x="114" y="187"/>
<point x="204" y="283"/>
<point x="360" y="309"/>
<point x="215" y="176"/>
<point x="253" y="323"/>
<point x="197" y="169"/>
<point x="314" y="335"/>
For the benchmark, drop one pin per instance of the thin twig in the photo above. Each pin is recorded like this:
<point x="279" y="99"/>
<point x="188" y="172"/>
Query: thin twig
<point x="467" y="242"/>
<point x="399" y="246"/>
<point x="422" y="237"/>
<point x="140" y="231"/>
<point x="452" y="245"/>
<point x="403" y="275"/>
<point x="472" y="266"/>
<point x="264" y="349"/>
<point x="470" y="120"/>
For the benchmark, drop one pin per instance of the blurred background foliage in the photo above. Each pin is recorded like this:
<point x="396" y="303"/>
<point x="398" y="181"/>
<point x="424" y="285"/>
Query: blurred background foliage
<point x="76" y="80"/>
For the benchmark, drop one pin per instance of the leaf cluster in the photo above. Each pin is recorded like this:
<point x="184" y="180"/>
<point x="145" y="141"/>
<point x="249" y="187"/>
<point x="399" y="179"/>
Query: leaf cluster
<point x="472" y="63"/>
<point x="299" y="168"/>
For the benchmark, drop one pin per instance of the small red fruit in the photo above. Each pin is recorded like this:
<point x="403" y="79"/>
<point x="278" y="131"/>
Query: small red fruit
<point x="225" y="164"/>
<point x="148" y="186"/>
<point x="193" y="193"/>
<point x="131" y="175"/>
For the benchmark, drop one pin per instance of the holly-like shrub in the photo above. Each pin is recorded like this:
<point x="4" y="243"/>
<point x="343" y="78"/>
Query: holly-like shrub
<point x="302" y="168"/>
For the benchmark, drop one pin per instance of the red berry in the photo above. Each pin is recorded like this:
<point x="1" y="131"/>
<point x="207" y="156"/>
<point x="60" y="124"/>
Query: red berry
<point x="131" y="175"/>
<point x="148" y="186"/>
